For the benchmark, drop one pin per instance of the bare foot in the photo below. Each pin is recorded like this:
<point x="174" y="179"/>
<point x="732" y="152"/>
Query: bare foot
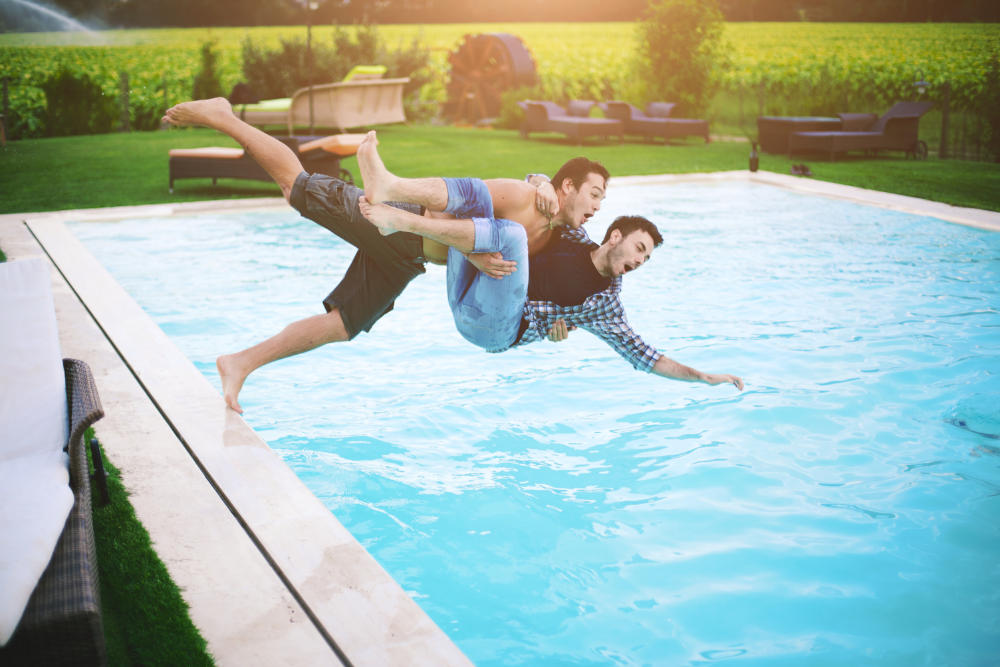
<point x="210" y="113"/>
<point x="385" y="217"/>
<point x="377" y="179"/>
<point x="232" y="376"/>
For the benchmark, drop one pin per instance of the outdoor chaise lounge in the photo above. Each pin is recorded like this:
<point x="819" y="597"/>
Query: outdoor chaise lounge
<point x="50" y="609"/>
<point x="362" y="99"/>
<point x="896" y="130"/>
<point x="574" y="121"/>
<point x="656" y="121"/>
<point x="319" y="155"/>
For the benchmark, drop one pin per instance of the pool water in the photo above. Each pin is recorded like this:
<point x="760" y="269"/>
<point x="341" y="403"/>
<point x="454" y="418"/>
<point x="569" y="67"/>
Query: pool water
<point x="552" y="506"/>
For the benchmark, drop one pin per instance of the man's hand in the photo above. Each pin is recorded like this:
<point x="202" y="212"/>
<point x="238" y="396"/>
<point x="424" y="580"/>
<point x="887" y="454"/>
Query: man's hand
<point x="492" y="264"/>
<point x="546" y="200"/>
<point x="559" y="331"/>
<point x="721" y="378"/>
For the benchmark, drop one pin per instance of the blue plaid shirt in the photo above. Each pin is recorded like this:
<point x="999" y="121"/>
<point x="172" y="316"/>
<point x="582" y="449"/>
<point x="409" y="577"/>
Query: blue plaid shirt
<point x="602" y="314"/>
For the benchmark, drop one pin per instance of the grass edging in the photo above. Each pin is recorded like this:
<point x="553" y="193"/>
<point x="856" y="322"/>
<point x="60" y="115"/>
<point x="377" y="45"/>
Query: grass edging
<point x="146" y="621"/>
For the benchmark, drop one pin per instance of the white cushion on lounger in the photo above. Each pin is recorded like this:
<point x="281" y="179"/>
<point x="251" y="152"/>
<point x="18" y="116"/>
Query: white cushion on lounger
<point x="34" y="472"/>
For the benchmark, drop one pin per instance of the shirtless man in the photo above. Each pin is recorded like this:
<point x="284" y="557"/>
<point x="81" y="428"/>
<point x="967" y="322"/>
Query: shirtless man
<point x="383" y="265"/>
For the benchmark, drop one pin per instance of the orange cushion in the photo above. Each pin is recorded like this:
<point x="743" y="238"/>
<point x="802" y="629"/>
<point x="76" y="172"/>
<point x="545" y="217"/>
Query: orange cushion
<point x="338" y="144"/>
<point x="210" y="152"/>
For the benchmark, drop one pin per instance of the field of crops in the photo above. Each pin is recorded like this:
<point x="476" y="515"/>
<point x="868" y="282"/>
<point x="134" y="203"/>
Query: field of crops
<point x="773" y="67"/>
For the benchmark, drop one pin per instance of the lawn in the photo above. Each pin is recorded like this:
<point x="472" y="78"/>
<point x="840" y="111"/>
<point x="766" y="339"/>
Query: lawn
<point x="131" y="169"/>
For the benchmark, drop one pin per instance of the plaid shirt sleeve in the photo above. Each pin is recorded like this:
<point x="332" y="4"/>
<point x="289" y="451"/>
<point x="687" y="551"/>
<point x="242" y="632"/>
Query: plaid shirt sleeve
<point x="578" y="235"/>
<point x="601" y="314"/>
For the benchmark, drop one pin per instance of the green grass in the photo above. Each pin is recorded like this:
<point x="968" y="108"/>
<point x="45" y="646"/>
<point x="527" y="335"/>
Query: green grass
<point x="131" y="169"/>
<point x="146" y="621"/>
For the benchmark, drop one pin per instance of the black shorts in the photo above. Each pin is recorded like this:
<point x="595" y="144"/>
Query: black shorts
<point x="383" y="265"/>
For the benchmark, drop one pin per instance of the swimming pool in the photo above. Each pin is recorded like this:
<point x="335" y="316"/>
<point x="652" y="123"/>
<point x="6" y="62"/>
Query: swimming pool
<point x="552" y="506"/>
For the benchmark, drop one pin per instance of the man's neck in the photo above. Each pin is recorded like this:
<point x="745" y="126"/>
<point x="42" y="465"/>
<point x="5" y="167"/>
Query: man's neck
<point x="598" y="257"/>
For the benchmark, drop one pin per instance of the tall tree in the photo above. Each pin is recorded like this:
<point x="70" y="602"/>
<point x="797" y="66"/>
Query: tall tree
<point x="679" y="46"/>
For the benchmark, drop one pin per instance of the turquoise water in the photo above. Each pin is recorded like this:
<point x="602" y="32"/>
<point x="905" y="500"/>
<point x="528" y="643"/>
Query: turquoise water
<point x="552" y="506"/>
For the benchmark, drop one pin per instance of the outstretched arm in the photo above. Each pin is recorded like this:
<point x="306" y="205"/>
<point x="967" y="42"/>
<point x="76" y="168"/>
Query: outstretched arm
<point x="668" y="368"/>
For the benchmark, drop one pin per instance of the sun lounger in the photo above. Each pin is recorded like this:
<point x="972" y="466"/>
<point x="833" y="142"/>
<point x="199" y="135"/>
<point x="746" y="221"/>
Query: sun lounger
<point x="656" y="122"/>
<point x="362" y="99"/>
<point x="50" y="609"/>
<point x="896" y="130"/>
<point x="574" y="121"/>
<point x="319" y="155"/>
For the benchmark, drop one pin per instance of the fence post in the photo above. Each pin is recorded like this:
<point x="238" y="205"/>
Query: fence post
<point x="166" y="105"/>
<point x="945" y="119"/>
<point x="124" y="101"/>
<point x="5" y="117"/>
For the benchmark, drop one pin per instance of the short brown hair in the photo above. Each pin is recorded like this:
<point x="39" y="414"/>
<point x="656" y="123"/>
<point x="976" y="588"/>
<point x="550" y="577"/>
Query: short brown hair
<point x="576" y="170"/>
<point x="627" y="224"/>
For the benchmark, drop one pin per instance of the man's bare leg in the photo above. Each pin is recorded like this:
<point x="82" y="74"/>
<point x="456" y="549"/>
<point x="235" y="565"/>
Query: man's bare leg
<point x="381" y="185"/>
<point x="459" y="234"/>
<point x="296" y="338"/>
<point x="277" y="159"/>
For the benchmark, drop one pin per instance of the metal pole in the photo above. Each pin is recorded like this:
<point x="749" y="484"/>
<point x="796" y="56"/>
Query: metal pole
<point x="945" y="119"/>
<point x="309" y="62"/>
<point x="6" y="112"/>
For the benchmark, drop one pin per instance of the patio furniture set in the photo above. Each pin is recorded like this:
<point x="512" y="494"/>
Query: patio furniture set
<point x="621" y="118"/>
<point x="895" y="130"/>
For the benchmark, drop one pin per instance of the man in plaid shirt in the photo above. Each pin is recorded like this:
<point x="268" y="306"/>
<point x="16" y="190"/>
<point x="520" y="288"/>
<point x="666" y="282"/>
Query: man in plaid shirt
<point x="601" y="313"/>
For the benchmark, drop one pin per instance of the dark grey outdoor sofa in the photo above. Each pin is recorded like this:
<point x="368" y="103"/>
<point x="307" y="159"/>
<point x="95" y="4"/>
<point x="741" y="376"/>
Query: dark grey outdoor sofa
<point x="574" y="121"/>
<point x="895" y="130"/>
<point x="62" y="623"/>
<point x="656" y="121"/>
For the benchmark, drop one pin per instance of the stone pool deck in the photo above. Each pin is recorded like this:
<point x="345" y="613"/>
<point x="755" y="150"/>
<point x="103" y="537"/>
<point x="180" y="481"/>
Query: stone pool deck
<point x="272" y="578"/>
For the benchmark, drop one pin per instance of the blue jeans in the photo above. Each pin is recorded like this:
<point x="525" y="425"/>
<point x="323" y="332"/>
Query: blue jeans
<point x="487" y="311"/>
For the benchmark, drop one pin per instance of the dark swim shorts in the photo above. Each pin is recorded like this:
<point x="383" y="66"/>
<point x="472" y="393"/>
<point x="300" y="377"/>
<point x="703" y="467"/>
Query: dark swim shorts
<point x="383" y="265"/>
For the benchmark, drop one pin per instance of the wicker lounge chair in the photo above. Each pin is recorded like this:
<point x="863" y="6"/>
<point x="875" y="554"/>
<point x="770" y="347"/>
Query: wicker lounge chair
<point x="896" y="130"/>
<point x="362" y="99"/>
<point x="574" y="121"/>
<point x="656" y="121"/>
<point x="319" y="155"/>
<point x="62" y="623"/>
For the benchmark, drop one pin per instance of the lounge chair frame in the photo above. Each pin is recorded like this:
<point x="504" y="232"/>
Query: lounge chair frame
<point x="656" y="121"/>
<point x="896" y="130"/>
<point x="62" y="622"/>
<point x="235" y="163"/>
<point x="574" y="121"/>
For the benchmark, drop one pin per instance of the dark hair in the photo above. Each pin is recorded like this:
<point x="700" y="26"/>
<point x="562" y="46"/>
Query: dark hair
<point x="627" y="224"/>
<point x="576" y="170"/>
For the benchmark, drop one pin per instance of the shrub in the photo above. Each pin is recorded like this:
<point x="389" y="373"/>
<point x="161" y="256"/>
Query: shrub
<point x="76" y="104"/>
<point x="206" y="82"/>
<point x="679" y="44"/>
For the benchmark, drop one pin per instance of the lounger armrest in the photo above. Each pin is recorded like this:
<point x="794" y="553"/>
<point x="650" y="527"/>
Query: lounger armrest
<point x="856" y="122"/>
<point x="659" y="109"/>
<point x="618" y="110"/>
<point x="81" y="397"/>
<point x="579" y="108"/>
